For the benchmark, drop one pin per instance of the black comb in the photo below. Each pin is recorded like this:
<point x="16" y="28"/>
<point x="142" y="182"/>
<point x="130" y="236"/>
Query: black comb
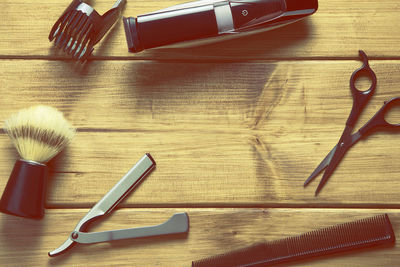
<point x="362" y="233"/>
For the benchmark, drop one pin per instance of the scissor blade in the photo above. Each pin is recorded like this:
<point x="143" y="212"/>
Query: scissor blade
<point x="345" y="142"/>
<point x="324" y="163"/>
<point x="337" y="157"/>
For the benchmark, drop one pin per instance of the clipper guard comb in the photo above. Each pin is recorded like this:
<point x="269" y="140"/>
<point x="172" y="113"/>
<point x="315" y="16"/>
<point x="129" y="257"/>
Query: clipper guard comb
<point x="80" y="28"/>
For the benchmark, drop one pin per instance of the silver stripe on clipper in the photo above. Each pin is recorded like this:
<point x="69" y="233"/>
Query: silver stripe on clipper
<point x="223" y="14"/>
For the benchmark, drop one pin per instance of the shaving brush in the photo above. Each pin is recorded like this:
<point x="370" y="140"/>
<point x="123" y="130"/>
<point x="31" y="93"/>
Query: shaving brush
<point x="38" y="133"/>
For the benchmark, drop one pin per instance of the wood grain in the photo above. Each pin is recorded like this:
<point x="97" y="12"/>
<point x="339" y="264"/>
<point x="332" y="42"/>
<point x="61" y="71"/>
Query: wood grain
<point x="263" y="131"/>
<point x="212" y="231"/>
<point x="279" y="96"/>
<point x="219" y="169"/>
<point x="251" y="129"/>
<point x="338" y="29"/>
<point x="235" y="128"/>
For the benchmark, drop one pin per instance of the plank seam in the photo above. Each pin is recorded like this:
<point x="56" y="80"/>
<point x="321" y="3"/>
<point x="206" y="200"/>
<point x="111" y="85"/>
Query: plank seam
<point x="198" y="60"/>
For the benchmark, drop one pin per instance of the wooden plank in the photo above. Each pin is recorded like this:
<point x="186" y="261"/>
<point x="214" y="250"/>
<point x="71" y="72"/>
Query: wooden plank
<point x="219" y="169"/>
<point x="212" y="231"/>
<point x="219" y="137"/>
<point x="225" y="97"/>
<point x="142" y="95"/>
<point x="338" y="29"/>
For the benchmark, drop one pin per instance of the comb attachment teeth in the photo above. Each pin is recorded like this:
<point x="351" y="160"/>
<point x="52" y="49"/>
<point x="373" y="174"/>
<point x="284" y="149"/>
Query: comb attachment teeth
<point x="362" y="233"/>
<point x="74" y="32"/>
<point x="80" y="28"/>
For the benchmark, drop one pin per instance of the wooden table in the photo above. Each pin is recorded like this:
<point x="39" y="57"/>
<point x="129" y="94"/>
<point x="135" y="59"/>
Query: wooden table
<point x="235" y="128"/>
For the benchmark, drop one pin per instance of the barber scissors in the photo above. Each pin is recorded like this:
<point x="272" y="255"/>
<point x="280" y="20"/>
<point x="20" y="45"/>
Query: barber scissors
<point x="347" y="140"/>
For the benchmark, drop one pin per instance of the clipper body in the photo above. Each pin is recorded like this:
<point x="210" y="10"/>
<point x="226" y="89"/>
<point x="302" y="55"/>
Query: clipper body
<point x="211" y="18"/>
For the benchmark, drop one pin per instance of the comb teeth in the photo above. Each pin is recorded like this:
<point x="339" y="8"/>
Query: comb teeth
<point x="80" y="28"/>
<point x="348" y="236"/>
<point x="75" y="32"/>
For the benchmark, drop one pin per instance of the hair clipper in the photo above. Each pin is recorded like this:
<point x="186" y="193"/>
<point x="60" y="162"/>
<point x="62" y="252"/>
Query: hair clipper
<point x="212" y="18"/>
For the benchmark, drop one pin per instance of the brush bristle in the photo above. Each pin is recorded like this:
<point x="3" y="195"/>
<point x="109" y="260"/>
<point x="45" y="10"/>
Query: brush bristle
<point x="39" y="133"/>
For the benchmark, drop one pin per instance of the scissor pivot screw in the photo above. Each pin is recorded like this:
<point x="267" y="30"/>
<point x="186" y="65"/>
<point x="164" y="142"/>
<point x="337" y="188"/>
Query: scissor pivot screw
<point x="74" y="235"/>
